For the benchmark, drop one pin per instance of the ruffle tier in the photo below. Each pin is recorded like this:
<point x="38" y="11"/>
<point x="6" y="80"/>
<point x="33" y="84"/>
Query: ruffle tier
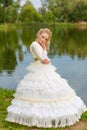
<point x="44" y="99"/>
<point x="46" y="114"/>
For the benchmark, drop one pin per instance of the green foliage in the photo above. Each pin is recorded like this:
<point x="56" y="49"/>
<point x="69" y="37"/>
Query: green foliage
<point x="9" y="44"/>
<point x="68" y="10"/>
<point x="49" y="17"/>
<point x="5" y="100"/>
<point x="1" y="14"/>
<point x="84" y="116"/>
<point x="38" y="17"/>
<point x="52" y="11"/>
<point x="8" y="11"/>
<point x="10" y="14"/>
<point x="6" y="3"/>
<point x="7" y="27"/>
<point x="28" y="13"/>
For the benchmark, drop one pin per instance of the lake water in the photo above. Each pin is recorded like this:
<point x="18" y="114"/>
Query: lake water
<point x="68" y="52"/>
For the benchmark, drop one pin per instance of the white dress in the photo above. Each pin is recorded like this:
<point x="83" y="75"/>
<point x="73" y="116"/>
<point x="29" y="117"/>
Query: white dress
<point x="43" y="98"/>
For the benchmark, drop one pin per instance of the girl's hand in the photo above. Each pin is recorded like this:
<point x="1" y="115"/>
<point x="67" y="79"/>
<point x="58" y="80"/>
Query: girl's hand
<point x="45" y="61"/>
<point x="43" y="46"/>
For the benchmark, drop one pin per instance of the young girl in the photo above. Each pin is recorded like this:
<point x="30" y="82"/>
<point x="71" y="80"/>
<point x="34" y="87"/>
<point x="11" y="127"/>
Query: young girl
<point x="43" y="98"/>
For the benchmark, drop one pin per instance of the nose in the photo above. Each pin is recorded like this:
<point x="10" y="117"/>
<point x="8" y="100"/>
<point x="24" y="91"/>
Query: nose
<point x="44" y="41"/>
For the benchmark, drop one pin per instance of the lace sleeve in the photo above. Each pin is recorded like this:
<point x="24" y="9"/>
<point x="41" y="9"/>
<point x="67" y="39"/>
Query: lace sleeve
<point x="38" y="51"/>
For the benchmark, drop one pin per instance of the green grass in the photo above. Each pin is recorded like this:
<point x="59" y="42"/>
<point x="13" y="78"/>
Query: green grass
<point x="7" y="27"/>
<point x="12" y="26"/>
<point x="84" y="116"/>
<point x="6" y="96"/>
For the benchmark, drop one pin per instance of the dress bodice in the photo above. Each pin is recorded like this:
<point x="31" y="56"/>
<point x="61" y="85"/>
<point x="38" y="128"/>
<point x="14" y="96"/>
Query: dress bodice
<point x="37" y="51"/>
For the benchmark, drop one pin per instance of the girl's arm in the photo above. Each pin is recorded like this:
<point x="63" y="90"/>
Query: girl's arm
<point x="40" y="53"/>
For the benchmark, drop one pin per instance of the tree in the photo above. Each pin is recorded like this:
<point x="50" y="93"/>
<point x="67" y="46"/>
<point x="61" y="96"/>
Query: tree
<point x="9" y="10"/>
<point x="6" y="4"/>
<point x="28" y="12"/>
<point x="1" y="14"/>
<point x="67" y="10"/>
<point x="11" y="14"/>
<point x="49" y="17"/>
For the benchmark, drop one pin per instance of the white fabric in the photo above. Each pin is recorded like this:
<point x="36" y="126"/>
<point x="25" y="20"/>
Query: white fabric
<point x="43" y="98"/>
<point x="37" y="51"/>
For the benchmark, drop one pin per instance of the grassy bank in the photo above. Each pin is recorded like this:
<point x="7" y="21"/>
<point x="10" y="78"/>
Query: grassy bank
<point x="11" y="26"/>
<point x="7" y="27"/>
<point x="5" y="99"/>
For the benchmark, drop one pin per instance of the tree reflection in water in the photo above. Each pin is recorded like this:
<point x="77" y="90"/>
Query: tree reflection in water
<point x="71" y="41"/>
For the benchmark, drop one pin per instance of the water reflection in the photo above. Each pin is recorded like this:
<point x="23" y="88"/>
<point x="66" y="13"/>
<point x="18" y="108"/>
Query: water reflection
<point x="65" y="41"/>
<point x="72" y="42"/>
<point x="7" y="51"/>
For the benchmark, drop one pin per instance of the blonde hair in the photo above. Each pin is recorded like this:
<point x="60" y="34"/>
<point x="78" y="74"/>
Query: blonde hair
<point x="45" y="30"/>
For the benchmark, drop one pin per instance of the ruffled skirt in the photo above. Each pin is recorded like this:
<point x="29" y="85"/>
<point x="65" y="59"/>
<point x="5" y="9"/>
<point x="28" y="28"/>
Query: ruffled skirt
<point x="44" y="99"/>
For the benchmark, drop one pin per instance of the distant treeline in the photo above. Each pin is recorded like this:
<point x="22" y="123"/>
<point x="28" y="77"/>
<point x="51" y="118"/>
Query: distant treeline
<point x="11" y="11"/>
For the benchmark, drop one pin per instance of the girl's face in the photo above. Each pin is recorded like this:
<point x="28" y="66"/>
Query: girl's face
<point x="43" y="38"/>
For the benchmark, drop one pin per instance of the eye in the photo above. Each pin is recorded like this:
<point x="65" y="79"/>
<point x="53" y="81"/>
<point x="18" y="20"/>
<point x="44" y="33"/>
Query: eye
<point x="44" y="38"/>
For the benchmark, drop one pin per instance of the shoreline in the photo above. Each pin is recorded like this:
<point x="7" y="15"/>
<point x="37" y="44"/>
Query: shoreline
<point x="11" y="26"/>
